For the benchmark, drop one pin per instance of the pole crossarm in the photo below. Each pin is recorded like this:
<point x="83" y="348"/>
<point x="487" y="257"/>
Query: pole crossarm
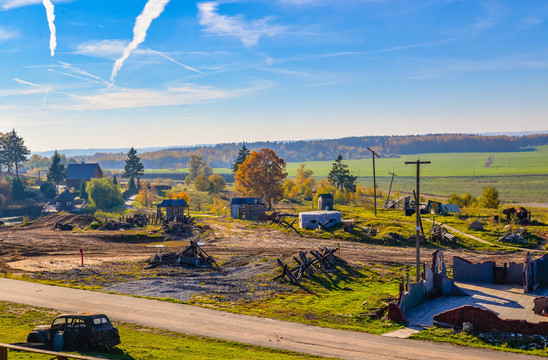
<point x="418" y="226"/>
<point x="373" y="154"/>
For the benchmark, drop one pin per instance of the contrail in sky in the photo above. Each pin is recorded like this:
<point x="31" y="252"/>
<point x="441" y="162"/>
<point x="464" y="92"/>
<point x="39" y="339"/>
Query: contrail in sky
<point x="44" y="102"/>
<point x="51" y="17"/>
<point x="152" y="10"/>
<point x="174" y="61"/>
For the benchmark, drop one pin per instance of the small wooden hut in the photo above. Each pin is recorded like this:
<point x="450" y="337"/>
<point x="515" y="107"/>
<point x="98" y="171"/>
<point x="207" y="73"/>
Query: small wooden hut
<point x="174" y="208"/>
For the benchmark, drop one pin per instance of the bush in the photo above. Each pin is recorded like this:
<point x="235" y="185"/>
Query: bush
<point x="490" y="198"/>
<point x="48" y="189"/>
<point x="103" y="194"/>
<point x="17" y="190"/>
<point x="2" y="200"/>
<point x="201" y="183"/>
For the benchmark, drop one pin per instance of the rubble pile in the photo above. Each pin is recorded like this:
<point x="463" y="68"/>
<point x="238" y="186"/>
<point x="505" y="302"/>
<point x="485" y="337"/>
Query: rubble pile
<point x="514" y="237"/>
<point x="192" y="255"/>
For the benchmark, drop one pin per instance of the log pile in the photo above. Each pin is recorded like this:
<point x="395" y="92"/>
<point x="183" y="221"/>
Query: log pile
<point x="192" y="255"/>
<point x="320" y="261"/>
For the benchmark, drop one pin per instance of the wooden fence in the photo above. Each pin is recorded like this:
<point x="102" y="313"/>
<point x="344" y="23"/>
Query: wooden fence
<point x="57" y="355"/>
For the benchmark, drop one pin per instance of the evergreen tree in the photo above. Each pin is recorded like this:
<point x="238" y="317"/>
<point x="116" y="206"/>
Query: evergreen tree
<point x="15" y="151"/>
<point x="134" y="167"/>
<point x="83" y="192"/>
<point x="17" y="189"/>
<point x="114" y="180"/>
<point x="57" y="172"/>
<point x="340" y="176"/>
<point x="243" y="153"/>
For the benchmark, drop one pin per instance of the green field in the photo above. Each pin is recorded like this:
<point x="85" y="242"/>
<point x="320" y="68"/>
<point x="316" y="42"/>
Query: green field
<point x="527" y="162"/>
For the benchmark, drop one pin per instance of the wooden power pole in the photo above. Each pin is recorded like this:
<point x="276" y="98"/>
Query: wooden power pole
<point x="418" y="215"/>
<point x="390" y="188"/>
<point x="373" y="154"/>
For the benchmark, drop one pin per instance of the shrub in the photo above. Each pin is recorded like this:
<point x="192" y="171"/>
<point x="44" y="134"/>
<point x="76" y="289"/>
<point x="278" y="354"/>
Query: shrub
<point x="17" y="190"/>
<point x="490" y="198"/>
<point x="103" y="194"/>
<point x="48" y="189"/>
<point x="201" y="183"/>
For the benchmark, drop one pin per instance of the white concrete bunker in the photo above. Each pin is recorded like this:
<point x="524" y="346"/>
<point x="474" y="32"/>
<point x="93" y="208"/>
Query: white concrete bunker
<point x="317" y="219"/>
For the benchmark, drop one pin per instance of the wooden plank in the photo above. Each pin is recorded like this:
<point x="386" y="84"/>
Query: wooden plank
<point x="60" y="356"/>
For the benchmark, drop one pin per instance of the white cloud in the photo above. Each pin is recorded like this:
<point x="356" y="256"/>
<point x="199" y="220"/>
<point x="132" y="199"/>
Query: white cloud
<point x="6" y="34"/>
<point x="109" y="49"/>
<point x="123" y="98"/>
<point x="235" y="26"/>
<point x="152" y="10"/>
<point x="51" y="18"/>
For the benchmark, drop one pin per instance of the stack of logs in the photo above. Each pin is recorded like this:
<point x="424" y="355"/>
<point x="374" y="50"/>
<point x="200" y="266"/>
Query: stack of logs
<point x="192" y="255"/>
<point x="323" y="260"/>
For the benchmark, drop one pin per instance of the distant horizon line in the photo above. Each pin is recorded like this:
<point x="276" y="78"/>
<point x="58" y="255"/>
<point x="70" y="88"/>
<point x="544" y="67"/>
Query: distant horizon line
<point x="86" y="151"/>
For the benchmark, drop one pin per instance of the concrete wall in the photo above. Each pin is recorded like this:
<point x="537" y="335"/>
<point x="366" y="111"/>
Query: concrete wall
<point x="415" y="296"/>
<point x="464" y="270"/>
<point x="542" y="270"/>
<point x="514" y="273"/>
<point x="311" y="219"/>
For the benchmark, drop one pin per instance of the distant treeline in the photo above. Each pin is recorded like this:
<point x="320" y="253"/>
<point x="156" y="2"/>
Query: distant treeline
<point x="223" y="155"/>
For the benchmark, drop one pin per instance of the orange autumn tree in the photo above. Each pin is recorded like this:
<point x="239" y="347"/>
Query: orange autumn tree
<point x="262" y="175"/>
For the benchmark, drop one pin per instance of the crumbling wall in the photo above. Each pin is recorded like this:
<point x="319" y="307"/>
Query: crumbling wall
<point x="514" y="273"/>
<point x="487" y="320"/>
<point x="464" y="270"/>
<point x="542" y="270"/>
<point x="415" y="296"/>
<point x="541" y="303"/>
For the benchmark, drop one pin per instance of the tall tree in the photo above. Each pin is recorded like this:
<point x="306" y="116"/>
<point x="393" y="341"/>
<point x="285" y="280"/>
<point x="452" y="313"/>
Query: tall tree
<point x="133" y="168"/>
<point x="243" y="153"/>
<point x="57" y="172"/>
<point x="198" y="166"/>
<point x="262" y="174"/>
<point x="340" y="176"/>
<point x="15" y="150"/>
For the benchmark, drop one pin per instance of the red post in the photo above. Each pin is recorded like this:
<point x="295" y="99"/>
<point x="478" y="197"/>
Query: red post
<point x="82" y="255"/>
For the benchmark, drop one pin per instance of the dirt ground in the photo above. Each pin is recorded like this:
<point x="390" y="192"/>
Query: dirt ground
<point x="114" y="260"/>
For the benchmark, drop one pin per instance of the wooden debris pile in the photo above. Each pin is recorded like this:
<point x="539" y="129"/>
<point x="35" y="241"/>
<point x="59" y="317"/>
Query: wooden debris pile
<point x="320" y="261"/>
<point x="440" y="234"/>
<point x="281" y="220"/>
<point x="181" y="225"/>
<point x="63" y="227"/>
<point x="192" y="255"/>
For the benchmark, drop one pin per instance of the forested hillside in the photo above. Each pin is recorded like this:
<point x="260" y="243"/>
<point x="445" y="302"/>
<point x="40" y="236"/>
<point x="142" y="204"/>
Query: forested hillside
<point x="223" y="155"/>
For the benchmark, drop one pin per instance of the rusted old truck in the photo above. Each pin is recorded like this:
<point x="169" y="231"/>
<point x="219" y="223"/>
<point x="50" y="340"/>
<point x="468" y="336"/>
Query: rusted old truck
<point x="72" y="332"/>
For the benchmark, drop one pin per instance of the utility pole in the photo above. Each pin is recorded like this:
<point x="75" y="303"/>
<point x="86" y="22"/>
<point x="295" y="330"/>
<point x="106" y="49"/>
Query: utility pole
<point x="373" y="154"/>
<point x="418" y="216"/>
<point x="390" y="188"/>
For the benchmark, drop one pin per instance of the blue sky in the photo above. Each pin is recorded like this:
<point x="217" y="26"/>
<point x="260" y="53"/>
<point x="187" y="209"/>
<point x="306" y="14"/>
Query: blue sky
<point x="117" y="73"/>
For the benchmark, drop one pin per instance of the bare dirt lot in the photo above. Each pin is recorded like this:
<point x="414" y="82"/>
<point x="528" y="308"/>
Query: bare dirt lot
<point x="114" y="260"/>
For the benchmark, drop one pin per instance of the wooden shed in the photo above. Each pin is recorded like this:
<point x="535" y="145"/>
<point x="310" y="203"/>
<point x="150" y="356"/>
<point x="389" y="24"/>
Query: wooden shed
<point x="325" y="202"/>
<point x="247" y="208"/>
<point x="174" y="208"/>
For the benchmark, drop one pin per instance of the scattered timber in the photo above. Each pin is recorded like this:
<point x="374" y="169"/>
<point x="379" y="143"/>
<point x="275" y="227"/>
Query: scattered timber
<point x="192" y="255"/>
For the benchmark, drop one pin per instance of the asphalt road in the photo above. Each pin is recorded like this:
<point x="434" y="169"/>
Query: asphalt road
<point x="241" y="328"/>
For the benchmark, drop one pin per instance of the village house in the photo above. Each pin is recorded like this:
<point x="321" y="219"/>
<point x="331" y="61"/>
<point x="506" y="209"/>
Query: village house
<point x="85" y="172"/>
